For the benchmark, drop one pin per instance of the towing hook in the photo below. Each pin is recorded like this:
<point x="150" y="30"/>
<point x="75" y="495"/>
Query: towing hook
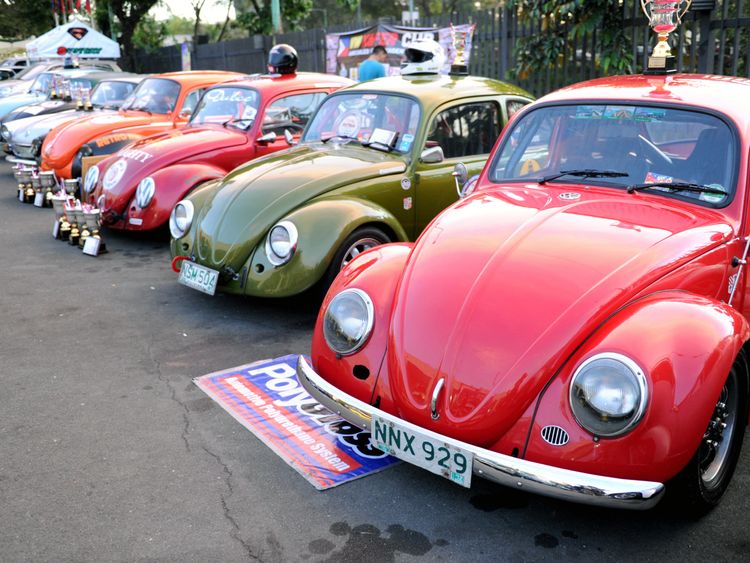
<point x="176" y="260"/>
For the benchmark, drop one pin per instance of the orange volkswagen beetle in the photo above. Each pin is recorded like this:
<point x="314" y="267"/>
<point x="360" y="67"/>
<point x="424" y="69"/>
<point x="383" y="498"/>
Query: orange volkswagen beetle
<point x="160" y="103"/>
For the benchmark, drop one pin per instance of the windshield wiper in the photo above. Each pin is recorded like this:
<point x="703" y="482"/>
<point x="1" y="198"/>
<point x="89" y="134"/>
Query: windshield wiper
<point x="583" y="174"/>
<point x="237" y="120"/>
<point x="344" y="137"/>
<point x="678" y="187"/>
<point x="376" y="145"/>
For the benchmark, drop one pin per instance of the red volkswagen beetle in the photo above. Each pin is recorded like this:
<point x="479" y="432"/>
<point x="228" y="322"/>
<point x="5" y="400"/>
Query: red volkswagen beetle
<point x="138" y="186"/>
<point x="578" y="325"/>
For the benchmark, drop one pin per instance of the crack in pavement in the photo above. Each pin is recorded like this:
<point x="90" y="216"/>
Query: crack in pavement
<point x="235" y="534"/>
<point x="173" y="395"/>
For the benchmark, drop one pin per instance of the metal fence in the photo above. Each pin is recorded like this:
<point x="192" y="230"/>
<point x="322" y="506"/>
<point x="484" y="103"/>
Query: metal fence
<point x="713" y="39"/>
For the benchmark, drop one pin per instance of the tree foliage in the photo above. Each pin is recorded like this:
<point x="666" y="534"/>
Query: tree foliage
<point x="563" y="21"/>
<point x="129" y="13"/>
<point x="20" y="19"/>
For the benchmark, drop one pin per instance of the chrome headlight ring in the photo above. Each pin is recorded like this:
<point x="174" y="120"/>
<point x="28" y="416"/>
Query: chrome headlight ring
<point x="348" y="321"/>
<point x="281" y="243"/>
<point x="181" y="218"/>
<point x="145" y="191"/>
<point x="608" y="394"/>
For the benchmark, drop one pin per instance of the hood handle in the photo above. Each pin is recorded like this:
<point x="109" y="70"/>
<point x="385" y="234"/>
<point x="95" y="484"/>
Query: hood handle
<point x="435" y="397"/>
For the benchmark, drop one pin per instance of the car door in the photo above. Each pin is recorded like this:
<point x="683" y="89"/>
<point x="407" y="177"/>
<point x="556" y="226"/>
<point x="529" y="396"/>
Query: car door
<point x="466" y="131"/>
<point x="288" y="112"/>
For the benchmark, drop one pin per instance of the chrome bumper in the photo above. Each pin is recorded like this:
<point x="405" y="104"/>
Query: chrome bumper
<point x="510" y="471"/>
<point x="16" y="160"/>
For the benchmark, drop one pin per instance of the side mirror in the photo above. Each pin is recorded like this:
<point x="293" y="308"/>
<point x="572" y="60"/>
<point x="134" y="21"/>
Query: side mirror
<point x="433" y="155"/>
<point x="267" y="138"/>
<point x="289" y="138"/>
<point x="460" y="175"/>
<point x="185" y="113"/>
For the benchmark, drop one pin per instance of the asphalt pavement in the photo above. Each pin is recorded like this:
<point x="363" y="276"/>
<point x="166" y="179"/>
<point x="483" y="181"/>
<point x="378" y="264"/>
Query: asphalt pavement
<point x="109" y="452"/>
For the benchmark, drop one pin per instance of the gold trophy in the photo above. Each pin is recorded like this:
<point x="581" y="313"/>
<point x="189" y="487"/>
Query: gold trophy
<point x="84" y="228"/>
<point x="95" y="245"/>
<point x="49" y="183"/>
<point x="36" y="184"/>
<point x="18" y="174"/>
<point x="71" y="187"/>
<point x="66" y="224"/>
<point x="75" y="217"/>
<point x="459" y="39"/>
<point x="663" y="17"/>
<point x="27" y="189"/>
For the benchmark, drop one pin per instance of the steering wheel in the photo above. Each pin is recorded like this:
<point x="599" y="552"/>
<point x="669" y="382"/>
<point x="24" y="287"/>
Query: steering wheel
<point x="654" y="153"/>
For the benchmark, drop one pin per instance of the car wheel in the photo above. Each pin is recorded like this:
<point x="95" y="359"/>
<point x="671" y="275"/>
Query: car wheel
<point x="355" y="244"/>
<point x="701" y="484"/>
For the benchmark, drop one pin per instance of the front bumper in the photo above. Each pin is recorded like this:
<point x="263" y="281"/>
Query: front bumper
<point x="505" y="470"/>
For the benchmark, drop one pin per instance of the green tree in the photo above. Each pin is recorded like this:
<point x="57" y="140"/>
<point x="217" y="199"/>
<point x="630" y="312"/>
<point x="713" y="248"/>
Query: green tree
<point x="149" y="34"/>
<point x="129" y="13"/>
<point x="20" y="19"/>
<point x="563" y="21"/>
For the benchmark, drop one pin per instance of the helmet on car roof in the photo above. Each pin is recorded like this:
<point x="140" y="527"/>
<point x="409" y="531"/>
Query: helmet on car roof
<point x="424" y="56"/>
<point x="282" y="59"/>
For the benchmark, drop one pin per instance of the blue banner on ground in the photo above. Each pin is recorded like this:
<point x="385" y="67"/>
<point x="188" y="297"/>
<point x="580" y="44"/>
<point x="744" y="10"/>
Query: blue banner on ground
<point x="266" y="398"/>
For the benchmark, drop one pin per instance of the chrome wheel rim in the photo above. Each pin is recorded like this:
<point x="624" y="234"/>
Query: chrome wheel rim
<point x="717" y="440"/>
<point x="358" y="248"/>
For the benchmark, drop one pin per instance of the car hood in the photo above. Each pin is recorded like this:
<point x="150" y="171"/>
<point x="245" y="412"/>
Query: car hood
<point x="12" y="102"/>
<point x="251" y="199"/>
<point x="150" y="154"/>
<point x="530" y="274"/>
<point x="47" y="106"/>
<point x="63" y="143"/>
<point x="27" y="129"/>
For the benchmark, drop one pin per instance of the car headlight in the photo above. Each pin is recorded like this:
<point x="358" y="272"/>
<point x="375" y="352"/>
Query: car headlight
<point x="608" y="394"/>
<point x="281" y="243"/>
<point x="92" y="177"/>
<point x="145" y="191"/>
<point x="36" y="146"/>
<point x="181" y="218"/>
<point x="4" y="133"/>
<point x="348" y="321"/>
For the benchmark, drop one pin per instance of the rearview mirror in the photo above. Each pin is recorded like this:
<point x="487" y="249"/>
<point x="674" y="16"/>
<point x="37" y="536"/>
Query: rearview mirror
<point x="289" y="138"/>
<point x="433" y="155"/>
<point x="185" y="113"/>
<point x="267" y="138"/>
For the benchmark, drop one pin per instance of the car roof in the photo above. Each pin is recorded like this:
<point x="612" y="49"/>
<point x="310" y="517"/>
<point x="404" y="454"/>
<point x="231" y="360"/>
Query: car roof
<point x="301" y="80"/>
<point x="198" y="77"/>
<point x="717" y="93"/>
<point x="436" y="89"/>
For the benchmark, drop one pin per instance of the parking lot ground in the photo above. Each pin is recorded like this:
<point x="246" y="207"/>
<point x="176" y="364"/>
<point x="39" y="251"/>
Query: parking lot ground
<point x="109" y="452"/>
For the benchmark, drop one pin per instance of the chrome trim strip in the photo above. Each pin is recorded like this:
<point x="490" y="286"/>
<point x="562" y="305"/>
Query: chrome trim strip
<point x="537" y="478"/>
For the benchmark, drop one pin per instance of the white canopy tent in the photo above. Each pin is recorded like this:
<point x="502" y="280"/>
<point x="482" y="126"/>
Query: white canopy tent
<point x="73" y="38"/>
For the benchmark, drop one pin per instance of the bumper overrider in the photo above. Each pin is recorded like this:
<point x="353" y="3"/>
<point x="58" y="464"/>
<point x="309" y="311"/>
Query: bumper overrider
<point x="563" y="484"/>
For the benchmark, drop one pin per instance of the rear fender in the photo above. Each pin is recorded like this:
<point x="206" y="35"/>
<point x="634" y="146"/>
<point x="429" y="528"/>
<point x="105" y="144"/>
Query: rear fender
<point x="173" y="183"/>
<point x="377" y="272"/>
<point x="322" y="226"/>
<point x="685" y="344"/>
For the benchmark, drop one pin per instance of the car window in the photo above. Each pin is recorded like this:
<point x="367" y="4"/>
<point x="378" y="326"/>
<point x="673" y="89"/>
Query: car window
<point x="513" y="106"/>
<point x="356" y="115"/>
<point x="646" y="143"/>
<point x="154" y="95"/>
<point x="466" y="129"/>
<point x="111" y="93"/>
<point x="191" y="100"/>
<point x="291" y="112"/>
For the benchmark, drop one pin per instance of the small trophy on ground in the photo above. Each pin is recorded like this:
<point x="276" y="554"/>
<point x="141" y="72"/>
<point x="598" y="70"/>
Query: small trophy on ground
<point x="71" y="187"/>
<point x="49" y="183"/>
<point x="66" y="225"/>
<point x="29" y="178"/>
<point x="75" y="216"/>
<point x="61" y="226"/>
<point x="94" y="244"/>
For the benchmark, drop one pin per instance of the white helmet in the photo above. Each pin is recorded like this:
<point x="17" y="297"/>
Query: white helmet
<point x="424" y="56"/>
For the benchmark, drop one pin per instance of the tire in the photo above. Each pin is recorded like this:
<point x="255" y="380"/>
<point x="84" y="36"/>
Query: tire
<point x="700" y="485"/>
<point x="360" y="240"/>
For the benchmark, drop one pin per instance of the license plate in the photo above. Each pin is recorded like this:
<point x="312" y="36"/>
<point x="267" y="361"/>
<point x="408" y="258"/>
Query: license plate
<point x="198" y="277"/>
<point x="412" y="446"/>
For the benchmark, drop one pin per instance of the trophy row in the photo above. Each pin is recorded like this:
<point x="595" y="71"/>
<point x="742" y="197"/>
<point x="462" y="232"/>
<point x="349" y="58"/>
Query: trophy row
<point x="79" y="224"/>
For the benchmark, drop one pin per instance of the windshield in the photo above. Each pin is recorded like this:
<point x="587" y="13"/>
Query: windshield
<point x="234" y="106"/>
<point x="154" y="95"/>
<point x="111" y="93"/>
<point x="43" y="83"/>
<point x="30" y="73"/>
<point x="646" y="144"/>
<point x="357" y="115"/>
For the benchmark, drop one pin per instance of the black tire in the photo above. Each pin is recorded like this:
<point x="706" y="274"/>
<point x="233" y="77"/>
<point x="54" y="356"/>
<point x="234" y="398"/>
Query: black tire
<point x="360" y="240"/>
<point x="700" y="485"/>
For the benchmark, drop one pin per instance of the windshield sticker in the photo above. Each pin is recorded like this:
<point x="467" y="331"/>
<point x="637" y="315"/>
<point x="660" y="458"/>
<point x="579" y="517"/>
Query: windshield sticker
<point x="618" y="112"/>
<point x="406" y="142"/>
<point x="249" y="113"/>
<point x="370" y="97"/>
<point x="713" y="198"/>
<point x="650" y="114"/>
<point x="348" y="125"/>
<point x="652" y="178"/>
<point x="589" y="112"/>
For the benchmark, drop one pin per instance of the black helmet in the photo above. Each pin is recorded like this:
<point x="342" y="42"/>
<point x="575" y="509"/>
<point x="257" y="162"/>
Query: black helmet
<point x="282" y="59"/>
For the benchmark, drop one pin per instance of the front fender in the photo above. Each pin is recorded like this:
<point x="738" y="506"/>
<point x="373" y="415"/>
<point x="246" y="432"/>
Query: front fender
<point x="322" y="226"/>
<point x="184" y="245"/>
<point x="102" y="146"/>
<point x="685" y="344"/>
<point x="173" y="183"/>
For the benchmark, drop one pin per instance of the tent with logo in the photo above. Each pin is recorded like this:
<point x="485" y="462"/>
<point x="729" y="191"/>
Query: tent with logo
<point x="75" y="38"/>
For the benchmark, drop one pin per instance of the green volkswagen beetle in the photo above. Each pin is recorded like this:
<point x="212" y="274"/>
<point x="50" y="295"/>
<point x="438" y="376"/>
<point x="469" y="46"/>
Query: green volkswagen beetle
<point x="374" y="165"/>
